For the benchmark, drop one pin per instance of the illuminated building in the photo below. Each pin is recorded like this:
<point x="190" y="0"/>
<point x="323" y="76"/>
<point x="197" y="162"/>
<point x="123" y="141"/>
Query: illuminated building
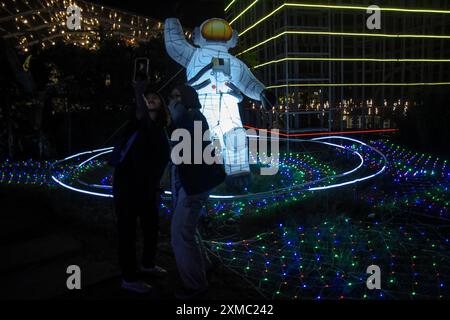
<point x="325" y="64"/>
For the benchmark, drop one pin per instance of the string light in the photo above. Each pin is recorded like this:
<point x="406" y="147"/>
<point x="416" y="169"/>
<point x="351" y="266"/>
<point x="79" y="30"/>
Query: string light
<point x="311" y="185"/>
<point x="47" y="21"/>
<point x="326" y="260"/>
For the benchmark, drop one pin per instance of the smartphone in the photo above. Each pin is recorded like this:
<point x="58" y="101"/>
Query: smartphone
<point x="141" y="69"/>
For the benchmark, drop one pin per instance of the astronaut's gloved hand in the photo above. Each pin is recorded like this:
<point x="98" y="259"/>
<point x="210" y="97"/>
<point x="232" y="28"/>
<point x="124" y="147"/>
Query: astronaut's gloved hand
<point x="238" y="183"/>
<point x="268" y="99"/>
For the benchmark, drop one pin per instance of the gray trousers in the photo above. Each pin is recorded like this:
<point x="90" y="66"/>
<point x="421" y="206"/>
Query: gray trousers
<point x="185" y="239"/>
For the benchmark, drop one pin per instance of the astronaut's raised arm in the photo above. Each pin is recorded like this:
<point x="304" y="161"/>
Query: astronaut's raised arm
<point x="177" y="46"/>
<point x="247" y="83"/>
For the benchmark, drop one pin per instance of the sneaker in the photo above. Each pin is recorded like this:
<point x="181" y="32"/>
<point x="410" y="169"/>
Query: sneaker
<point x="155" y="271"/>
<point x="190" y="294"/>
<point x="138" y="286"/>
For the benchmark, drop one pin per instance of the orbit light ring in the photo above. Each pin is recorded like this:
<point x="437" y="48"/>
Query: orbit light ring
<point x="108" y="150"/>
<point x="356" y="180"/>
<point x="97" y="194"/>
<point x="330" y="144"/>
<point x="99" y="186"/>
<point x="83" y="153"/>
<point x="357" y="153"/>
<point x="105" y="195"/>
<point x="253" y="196"/>
<point x="229" y="197"/>
<point x="93" y="157"/>
<point x="351" y="171"/>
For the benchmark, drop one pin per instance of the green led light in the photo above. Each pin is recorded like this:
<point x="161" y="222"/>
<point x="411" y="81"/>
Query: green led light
<point x="306" y="273"/>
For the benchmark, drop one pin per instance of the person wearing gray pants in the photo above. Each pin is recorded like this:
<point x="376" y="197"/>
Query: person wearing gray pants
<point x="185" y="241"/>
<point x="191" y="185"/>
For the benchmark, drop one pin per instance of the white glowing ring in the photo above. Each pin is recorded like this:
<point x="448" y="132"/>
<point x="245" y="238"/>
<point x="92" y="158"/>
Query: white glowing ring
<point x="295" y="188"/>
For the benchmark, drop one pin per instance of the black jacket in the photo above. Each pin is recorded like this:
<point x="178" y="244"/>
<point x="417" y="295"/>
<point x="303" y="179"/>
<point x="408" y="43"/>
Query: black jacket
<point x="195" y="178"/>
<point x="149" y="153"/>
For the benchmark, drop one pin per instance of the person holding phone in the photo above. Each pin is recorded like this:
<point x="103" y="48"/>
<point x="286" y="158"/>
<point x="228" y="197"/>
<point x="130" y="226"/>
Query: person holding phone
<point x="140" y="162"/>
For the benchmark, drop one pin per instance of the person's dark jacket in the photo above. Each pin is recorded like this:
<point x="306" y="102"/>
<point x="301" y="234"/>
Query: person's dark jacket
<point x="195" y="178"/>
<point x="149" y="153"/>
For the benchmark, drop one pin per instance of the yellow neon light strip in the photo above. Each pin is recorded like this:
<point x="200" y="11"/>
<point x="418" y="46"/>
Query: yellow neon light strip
<point x="349" y="59"/>
<point x="262" y="19"/>
<point x="359" y="84"/>
<point x="229" y="5"/>
<point x="340" y="7"/>
<point x="380" y="35"/>
<point x="365" y="8"/>
<point x="245" y="10"/>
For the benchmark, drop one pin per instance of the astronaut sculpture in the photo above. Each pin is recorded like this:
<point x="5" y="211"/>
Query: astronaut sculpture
<point x="220" y="80"/>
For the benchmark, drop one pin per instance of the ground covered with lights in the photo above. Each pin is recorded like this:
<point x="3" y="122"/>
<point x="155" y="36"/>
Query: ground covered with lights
<point x="335" y="207"/>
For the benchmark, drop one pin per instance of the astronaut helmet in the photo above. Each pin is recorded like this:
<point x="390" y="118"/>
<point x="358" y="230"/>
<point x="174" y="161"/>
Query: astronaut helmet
<point x="217" y="32"/>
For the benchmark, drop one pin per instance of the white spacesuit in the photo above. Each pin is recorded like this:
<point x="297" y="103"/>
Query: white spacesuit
<point x="219" y="79"/>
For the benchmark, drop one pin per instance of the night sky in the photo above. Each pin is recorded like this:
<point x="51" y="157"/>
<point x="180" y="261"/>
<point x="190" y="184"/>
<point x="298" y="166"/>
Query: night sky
<point x="191" y="13"/>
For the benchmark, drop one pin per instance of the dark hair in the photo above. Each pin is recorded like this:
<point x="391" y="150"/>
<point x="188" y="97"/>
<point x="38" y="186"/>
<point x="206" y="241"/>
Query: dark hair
<point x="163" y="117"/>
<point x="189" y="97"/>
